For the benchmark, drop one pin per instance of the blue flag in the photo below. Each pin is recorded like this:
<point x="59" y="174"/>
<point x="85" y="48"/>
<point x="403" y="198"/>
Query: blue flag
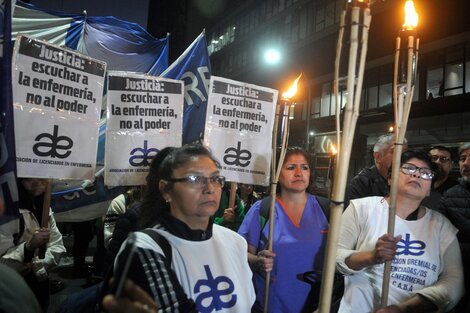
<point x="193" y="67"/>
<point x="125" y="46"/>
<point x="8" y="190"/>
<point x="58" y="28"/>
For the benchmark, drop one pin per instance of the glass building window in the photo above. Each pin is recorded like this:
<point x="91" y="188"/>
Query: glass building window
<point x="330" y="14"/>
<point x="372" y="97"/>
<point x="385" y="94"/>
<point x="325" y="100"/>
<point x="434" y="84"/>
<point x="453" y="79"/>
<point x="320" y="18"/>
<point x="316" y="102"/>
<point x="303" y="25"/>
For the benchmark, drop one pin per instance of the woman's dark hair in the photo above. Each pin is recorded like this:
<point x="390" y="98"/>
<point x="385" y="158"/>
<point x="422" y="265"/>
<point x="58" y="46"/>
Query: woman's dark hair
<point x="422" y="156"/>
<point x="294" y="150"/>
<point x="165" y="162"/>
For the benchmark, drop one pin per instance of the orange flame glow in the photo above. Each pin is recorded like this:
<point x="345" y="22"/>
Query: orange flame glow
<point x="289" y="94"/>
<point x="411" y="17"/>
<point x="333" y="149"/>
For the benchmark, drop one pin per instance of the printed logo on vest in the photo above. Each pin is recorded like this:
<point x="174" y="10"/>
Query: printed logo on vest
<point x="407" y="246"/>
<point x="213" y="291"/>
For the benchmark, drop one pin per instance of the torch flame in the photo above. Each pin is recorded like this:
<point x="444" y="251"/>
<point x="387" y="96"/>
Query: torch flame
<point x="411" y="17"/>
<point x="292" y="90"/>
<point x="333" y="149"/>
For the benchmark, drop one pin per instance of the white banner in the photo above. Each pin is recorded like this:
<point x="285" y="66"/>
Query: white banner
<point x="239" y="129"/>
<point x="145" y="114"/>
<point x="57" y="96"/>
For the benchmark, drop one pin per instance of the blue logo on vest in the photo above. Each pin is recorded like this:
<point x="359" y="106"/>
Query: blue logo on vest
<point x="407" y="246"/>
<point x="210" y="300"/>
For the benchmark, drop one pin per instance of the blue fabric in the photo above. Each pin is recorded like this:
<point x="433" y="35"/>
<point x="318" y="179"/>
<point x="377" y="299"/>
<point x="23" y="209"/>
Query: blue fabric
<point x="101" y="142"/>
<point x="299" y="249"/>
<point x="125" y="46"/>
<point x="7" y="140"/>
<point x="96" y="193"/>
<point x="56" y="27"/>
<point x="193" y="68"/>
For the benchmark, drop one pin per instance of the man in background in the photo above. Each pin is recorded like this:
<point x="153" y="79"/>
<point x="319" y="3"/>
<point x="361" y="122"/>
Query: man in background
<point x="455" y="204"/>
<point x="373" y="181"/>
<point x="442" y="156"/>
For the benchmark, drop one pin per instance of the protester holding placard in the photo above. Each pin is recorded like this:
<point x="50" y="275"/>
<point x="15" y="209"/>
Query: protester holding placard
<point x="15" y="295"/>
<point x="248" y="195"/>
<point x="226" y="216"/>
<point x="300" y="229"/>
<point x="184" y="253"/>
<point x="18" y="250"/>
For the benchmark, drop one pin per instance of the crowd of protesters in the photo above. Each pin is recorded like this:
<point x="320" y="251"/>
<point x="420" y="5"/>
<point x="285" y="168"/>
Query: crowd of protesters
<point x="188" y="257"/>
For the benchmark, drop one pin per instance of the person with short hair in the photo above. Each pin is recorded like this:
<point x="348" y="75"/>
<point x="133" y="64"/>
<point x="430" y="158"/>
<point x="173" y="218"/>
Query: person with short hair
<point x="426" y="274"/>
<point x="372" y="181"/>
<point x="455" y="204"/>
<point x="442" y="157"/>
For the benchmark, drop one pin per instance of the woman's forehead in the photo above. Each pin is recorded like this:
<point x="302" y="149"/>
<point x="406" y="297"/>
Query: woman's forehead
<point x="418" y="162"/>
<point x="296" y="158"/>
<point x="198" y="163"/>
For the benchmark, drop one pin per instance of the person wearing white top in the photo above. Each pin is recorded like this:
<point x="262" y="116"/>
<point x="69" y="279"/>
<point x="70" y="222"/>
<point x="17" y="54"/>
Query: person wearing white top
<point x="426" y="274"/>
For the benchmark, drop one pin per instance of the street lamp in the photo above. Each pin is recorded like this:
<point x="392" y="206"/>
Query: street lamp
<point x="272" y="56"/>
<point x="281" y="66"/>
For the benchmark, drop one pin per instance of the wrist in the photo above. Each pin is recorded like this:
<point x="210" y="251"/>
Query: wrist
<point x="27" y="245"/>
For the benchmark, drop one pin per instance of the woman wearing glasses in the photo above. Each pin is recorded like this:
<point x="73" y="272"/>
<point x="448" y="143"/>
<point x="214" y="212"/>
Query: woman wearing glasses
<point x="426" y="273"/>
<point x="191" y="265"/>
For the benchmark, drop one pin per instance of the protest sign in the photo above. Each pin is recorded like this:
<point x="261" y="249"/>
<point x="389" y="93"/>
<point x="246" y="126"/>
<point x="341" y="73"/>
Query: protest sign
<point x="145" y="114"/>
<point x="57" y="96"/>
<point x="239" y="127"/>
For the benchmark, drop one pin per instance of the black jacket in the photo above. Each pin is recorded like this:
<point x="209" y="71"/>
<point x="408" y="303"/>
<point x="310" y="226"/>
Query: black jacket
<point x="455" y="204"/>
<point x="367" y="183"/>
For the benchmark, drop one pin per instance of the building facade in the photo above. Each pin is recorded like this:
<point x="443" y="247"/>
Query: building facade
<point x="306" y="31"/>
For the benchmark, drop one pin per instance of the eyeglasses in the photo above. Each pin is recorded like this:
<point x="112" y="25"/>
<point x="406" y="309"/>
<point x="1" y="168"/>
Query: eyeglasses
<point x="424" y="172"/>
<point x="441" y="158"/>
<point x="200" y="181"/>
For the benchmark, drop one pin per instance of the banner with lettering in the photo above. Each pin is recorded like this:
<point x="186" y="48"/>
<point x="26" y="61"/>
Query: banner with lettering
<point x="239" y="127"/>
<point x="57" y="96"/>
<point x="145" y="114"/>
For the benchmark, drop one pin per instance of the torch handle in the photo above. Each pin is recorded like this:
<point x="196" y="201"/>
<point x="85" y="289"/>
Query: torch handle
<point x="45" y="215"/>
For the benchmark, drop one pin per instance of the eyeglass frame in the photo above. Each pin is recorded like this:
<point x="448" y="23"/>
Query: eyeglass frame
<point x="441" y="158"/>
<point x="218" y="180"/>
<point x="419" y="169"/>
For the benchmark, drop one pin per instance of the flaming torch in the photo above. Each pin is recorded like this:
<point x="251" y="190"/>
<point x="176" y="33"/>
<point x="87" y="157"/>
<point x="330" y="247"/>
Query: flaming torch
<point x="358" y="14"/>
<point x="406" y="63"/>
<point x="276" y="171"/>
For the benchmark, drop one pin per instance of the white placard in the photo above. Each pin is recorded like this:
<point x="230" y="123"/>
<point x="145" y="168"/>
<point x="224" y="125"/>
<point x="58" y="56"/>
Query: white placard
<point x="57" y="96"/>
<point x="144" y="115"/>
<point x="239" y="129"/>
